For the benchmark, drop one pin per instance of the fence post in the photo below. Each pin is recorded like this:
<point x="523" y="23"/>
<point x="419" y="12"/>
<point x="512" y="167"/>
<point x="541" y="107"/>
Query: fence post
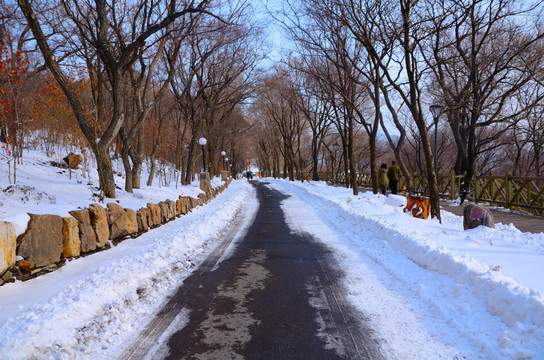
<point x="492" y="186"/>
<point x="476" y="186"/>
<point x="509" y="190"/>
<point x="530" y="192"/>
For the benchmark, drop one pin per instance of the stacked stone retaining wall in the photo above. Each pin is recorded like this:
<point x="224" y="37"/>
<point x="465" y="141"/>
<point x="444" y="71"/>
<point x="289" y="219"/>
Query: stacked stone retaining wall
<point x="51" y="240"/>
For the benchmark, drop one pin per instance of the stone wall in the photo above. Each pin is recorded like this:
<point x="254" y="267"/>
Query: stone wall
<point x="51" y="240"/>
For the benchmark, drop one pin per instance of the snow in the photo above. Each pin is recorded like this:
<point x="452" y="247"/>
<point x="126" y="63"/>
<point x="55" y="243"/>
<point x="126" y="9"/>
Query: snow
<point x="434" y="290"/>
<point x="429" y="290"/>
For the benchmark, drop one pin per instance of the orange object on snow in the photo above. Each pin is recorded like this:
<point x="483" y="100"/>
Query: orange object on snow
<point x="418" y="205"/>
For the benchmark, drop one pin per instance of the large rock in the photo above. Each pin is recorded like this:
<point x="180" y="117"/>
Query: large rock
<point x="172" y="208"/>
<point x="179" y="206"/>
<point x="71" y="243"/>
<point x="132" y="221"/>
<point x="117" y="220"/>
<point x="156" y="216"/>
<point x="143" y="216"/>
<point x="165" y="210"/>
<point x="194" y="202"/>
<point x="189" y="203"/>
<point x="87" y="236"/>
<point x="8" y="245"/>
<point x="41" y="243"/>
<point x="149" y="215"/>
<point x="203" y="198"/>
<point x="99" y="222"/>
<point x="73" y="160"/>
<point x="475" y="215"/>
<point x="185" y="204"/>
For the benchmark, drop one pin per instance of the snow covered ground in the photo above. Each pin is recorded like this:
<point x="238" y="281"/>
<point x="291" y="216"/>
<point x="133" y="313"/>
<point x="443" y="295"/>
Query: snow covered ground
<point x="431" y="291"/>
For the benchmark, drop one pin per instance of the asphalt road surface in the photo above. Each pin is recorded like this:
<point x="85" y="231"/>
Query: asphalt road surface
<point x="279" y="295"/>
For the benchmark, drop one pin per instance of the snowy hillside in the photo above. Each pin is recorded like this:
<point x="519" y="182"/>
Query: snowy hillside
<point x="42" y="188"/>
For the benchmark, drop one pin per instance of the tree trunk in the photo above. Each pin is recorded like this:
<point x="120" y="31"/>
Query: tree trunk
<point x="105" y="174"/>
<point x="373" y="172"/>
<point x="137" y="157"/>
<point x="430" y="174"/>
<point x="152" y="171"/>
<point x="128" y="169"/>
<point x="353" y="172"/>
<point x="315" y="160"/>
<point x="137" y="173"/>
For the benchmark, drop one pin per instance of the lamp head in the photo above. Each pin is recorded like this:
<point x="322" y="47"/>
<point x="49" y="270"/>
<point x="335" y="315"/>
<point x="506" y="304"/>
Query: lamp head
<point x="223" y="153"/>
<point x="436" y="110"/>
<point x="202" y="141"/>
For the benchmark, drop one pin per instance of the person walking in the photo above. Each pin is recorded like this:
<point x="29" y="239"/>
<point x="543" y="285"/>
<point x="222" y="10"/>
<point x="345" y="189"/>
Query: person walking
<point x="393" y="174"/>
<point x="383" y="180"/>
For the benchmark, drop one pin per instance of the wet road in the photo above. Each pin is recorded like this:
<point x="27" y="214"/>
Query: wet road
<point x="278" y="296"/>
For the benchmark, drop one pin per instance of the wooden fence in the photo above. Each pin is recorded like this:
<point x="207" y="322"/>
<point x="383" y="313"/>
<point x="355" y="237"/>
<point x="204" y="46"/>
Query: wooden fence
<point x="513" y="192"/>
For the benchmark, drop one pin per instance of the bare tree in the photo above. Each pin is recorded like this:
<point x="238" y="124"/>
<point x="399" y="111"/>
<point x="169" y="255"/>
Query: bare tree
<point x="94" y="23"/>
<point x="398" y="28"/>
<point x="266" y="142"/>
<point x="278" y="100"/>
<point x="483" y="56"/>
<point x="227" y="80"/>
<point x="146" y="90"/>
<point x="315" y="108"/>
<point x="317" y="32"/>
<point x="213" y="79"/>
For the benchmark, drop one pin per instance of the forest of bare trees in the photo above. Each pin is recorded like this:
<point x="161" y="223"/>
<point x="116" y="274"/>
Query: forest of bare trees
<point x="142" y="81"/>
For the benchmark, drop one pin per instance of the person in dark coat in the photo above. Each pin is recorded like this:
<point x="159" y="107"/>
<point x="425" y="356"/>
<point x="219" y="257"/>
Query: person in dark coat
<point x="393" y="174"/>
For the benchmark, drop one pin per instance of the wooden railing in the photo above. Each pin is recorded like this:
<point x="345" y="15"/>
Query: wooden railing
<point x="513" y="192"/>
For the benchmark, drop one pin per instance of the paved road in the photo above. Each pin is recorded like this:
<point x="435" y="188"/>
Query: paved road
<point x="278" y="296"/>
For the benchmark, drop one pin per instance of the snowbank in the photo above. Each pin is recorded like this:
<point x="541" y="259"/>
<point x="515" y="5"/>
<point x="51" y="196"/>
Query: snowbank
<point x="482" y="266"/>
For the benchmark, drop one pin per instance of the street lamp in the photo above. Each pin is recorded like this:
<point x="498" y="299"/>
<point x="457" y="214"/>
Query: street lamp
<point x="223" y="155"/>
<point x="228" y="166"/>
<point x="436" y="110"/>
<point x="336" y="146"/>
<point x="202" y="141"/>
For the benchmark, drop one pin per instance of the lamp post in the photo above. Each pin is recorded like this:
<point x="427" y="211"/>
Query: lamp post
<point x="336" y="146"/>
<point x="436" y="110"/>
<point x="223" y="155"/>
<point x="202" y="141"/>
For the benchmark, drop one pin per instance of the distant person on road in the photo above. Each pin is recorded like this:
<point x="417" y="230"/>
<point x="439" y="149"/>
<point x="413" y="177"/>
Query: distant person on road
<point x="383" y="180"/>
<point x="248" y="175"/>
<point x="393" y="175"/>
